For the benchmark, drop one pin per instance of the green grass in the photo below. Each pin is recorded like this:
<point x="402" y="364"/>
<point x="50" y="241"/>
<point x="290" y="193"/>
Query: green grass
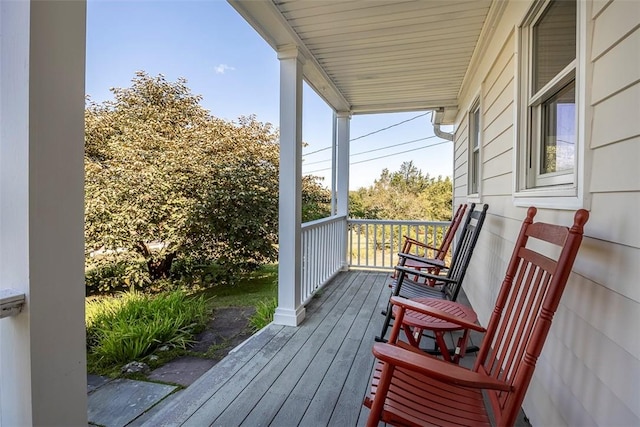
<point x="132" y="325"/>
<point x="257" y="287"/>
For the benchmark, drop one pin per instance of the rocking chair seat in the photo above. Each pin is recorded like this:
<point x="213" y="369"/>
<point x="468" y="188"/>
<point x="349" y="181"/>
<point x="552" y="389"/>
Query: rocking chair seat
<point x="412" y="397"/>
<point x="439" y="396"/>
<point x="415" y="289"/>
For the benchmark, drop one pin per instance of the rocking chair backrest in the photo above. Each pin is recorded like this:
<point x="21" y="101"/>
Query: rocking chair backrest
<point x="521" y="319"/>
<point x="441" y="252"/>
<point x="451" y="232"/>
<point x="464" y="249"/>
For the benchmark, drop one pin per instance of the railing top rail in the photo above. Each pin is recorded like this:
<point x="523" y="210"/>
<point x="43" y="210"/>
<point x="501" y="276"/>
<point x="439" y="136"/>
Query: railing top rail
<point x="396" y="222"/>
<point x="322" y="221"/>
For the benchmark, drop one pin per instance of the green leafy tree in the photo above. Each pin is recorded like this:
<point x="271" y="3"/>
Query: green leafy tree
<point x="316" y="199"/>
<point x="165" y="179"/>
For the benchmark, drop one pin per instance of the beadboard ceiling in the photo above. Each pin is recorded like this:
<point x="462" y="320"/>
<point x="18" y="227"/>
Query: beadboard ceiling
<point x="374" y="55"/>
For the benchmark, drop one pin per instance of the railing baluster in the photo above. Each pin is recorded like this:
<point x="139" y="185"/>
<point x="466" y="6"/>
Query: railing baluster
<point x="359" y="233"/>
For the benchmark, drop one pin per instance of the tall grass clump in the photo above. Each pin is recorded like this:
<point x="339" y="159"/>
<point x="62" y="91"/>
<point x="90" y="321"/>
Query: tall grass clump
<point x="132" y="325"/>
<point x="264" y="314"/>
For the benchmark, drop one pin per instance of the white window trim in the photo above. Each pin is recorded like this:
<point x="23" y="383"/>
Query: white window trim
<point x="570" y="196"/>
<point x="475" y="105"/>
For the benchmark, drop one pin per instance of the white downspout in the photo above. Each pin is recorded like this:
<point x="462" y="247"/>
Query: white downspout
<point x="436" y="119"/>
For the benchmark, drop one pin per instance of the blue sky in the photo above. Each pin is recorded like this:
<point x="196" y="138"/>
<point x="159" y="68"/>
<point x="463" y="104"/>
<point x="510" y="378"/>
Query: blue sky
<point x="237" y="73"/>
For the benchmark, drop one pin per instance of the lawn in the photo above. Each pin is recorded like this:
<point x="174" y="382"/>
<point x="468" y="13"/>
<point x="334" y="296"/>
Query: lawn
<point x="259" y="286"/>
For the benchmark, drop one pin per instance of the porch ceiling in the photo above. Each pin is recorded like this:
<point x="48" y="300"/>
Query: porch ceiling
<point x="379" y="56"/>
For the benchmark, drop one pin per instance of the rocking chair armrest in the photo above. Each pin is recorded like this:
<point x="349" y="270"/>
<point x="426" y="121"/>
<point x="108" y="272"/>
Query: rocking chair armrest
<point x="436" y="368"/>
<point x="419" y="243"/>
<point x="424" y="274"/>
<point x="434" y="312"/>
<point x="430" y="261"/>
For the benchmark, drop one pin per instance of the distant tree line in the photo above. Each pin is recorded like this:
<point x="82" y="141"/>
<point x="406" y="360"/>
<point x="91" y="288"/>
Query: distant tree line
<point x="404" y="194"/>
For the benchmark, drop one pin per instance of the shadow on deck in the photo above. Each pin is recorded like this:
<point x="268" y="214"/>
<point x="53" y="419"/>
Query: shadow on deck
<point x="313" y="375"/>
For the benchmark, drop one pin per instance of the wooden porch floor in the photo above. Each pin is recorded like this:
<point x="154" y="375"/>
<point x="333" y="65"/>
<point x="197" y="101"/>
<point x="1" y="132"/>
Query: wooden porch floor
<point x="313" y="375"/>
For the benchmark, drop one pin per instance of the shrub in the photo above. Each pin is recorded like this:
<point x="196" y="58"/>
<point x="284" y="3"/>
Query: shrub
<point x="132" y="325"/>
<point x="107" y="274"/>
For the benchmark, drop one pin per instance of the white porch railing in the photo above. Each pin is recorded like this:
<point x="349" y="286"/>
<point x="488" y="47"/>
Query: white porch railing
<point x="375" y="243"/>
<point x="323" y="249"/>
<point x="369" y="244"/>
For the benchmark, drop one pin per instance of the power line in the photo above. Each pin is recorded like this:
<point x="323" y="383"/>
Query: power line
<point x="395" y="145"/>
<point x="401" y="152"/>
<point x="317" y="151"/>
<point x="371" y="133"/>
<point x="375" y="149"/>
<point x="382" y="157"/>
<point x="389" y="127"/>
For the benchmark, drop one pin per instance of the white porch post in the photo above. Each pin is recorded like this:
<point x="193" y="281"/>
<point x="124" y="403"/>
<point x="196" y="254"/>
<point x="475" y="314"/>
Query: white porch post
<point x="290" y="311"/>
<point x="42" y="349"/>
<point x="343" y="120"/>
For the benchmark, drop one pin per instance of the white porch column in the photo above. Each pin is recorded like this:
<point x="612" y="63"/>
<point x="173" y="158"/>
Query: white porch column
<point x="42" y="349"/>
<point x="343" y="120"/>
<point x="290" y="311"/>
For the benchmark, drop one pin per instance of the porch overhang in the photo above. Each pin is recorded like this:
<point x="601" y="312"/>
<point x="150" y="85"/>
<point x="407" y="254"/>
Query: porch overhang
<point x="380" y="56"/>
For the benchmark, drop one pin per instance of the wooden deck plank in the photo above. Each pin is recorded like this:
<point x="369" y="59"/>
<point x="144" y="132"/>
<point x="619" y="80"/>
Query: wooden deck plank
<point x="249" y="385"/>
<point x="318" y="369"/>
<point x="182" y="407"/>
<point x="269" y="404"/>
<point x="349" y="405"/>
<point x="284" y="371"/>
<point x="354" y="361"/>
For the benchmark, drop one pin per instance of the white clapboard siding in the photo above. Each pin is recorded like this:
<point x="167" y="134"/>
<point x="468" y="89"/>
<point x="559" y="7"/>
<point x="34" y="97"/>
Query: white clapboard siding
<point x="590" y="367"/>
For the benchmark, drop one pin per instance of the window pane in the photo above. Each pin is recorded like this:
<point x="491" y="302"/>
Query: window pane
<point x="474" y="150"/>
<point x="559" y="131"/>
<point x="475" y="169"/>
<point x="476" y="128"/>
<point x="554" y="42"/>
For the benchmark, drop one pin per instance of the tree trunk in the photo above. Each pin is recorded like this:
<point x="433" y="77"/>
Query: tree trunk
<point x="160" y="268"/>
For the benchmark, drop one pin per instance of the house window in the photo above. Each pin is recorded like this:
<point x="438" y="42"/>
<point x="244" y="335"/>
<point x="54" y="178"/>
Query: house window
<point x="548" y="117"/>
<point x="474" y="149"/>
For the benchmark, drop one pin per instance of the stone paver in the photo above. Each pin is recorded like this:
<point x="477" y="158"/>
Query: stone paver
<point x="94" y="382"/>
<point x="183" y="370"/>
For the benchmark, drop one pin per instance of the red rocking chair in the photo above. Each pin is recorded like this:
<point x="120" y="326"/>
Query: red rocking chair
<point x="436" y="256"/>
<point x="411" y="388"/>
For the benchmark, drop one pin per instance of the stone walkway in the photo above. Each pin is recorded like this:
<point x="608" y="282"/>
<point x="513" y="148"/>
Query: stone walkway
<point x="124" y="402"/>
<point x="121" y="402"/>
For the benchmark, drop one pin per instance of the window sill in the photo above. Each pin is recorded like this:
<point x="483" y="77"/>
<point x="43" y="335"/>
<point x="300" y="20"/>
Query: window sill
<point x="474" y="198"/>
<point x="553" y="198"/>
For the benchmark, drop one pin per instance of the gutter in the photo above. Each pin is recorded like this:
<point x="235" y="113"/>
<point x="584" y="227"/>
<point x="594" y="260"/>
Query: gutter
<point x="436" y="119"/>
